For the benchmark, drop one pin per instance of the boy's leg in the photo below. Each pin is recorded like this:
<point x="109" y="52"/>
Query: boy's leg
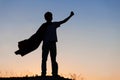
<point x="45" y="51"/>
<point x="53" y="53"/>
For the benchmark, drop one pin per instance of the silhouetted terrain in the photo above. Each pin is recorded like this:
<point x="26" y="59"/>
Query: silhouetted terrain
<point x="36" y="78"/>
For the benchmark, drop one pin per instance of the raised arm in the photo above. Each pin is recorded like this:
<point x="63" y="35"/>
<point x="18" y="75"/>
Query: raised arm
<point x="66" y="19"/>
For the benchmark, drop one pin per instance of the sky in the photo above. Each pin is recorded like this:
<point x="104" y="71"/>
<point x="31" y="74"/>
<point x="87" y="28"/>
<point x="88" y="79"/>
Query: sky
<point x="88" y="44"/>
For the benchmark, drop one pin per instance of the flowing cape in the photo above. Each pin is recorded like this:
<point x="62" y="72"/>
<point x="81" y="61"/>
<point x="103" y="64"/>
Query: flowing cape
<point x="28" y="45"/>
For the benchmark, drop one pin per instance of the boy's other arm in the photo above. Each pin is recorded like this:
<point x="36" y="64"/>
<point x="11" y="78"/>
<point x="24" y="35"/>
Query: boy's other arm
<point x="66" y="19"/>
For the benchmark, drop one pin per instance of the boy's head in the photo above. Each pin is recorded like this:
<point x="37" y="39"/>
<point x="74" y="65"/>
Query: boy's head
<point x="48" y="16"/>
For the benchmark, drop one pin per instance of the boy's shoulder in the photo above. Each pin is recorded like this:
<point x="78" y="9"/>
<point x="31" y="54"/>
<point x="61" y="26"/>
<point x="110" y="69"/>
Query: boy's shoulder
<point x="54" y="23"/>
<point x="57" y="24"/>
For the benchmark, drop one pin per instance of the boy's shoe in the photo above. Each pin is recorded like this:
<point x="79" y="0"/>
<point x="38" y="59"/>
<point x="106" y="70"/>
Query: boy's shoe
<point x="57" y="76"/>
<point x="43" y="75"/>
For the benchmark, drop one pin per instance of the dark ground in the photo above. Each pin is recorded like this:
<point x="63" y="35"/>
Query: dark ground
<point x="36" y="78"/>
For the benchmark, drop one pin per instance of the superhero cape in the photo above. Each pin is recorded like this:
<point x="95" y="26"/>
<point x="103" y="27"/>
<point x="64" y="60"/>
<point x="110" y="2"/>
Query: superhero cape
<point x="28" y="45"/>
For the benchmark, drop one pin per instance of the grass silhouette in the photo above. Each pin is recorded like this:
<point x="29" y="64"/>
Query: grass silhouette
<point x="13" y="76"/>
<point x="34" y="78"/>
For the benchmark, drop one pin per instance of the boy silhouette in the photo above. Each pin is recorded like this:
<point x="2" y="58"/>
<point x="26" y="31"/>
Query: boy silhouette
<point x="49" y="42"/>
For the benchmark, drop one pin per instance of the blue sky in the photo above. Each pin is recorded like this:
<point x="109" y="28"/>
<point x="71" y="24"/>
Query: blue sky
<point x="90" y="39"/>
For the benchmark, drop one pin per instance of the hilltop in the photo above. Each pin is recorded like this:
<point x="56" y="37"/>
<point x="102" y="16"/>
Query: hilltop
<point x="36" y="78"/>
